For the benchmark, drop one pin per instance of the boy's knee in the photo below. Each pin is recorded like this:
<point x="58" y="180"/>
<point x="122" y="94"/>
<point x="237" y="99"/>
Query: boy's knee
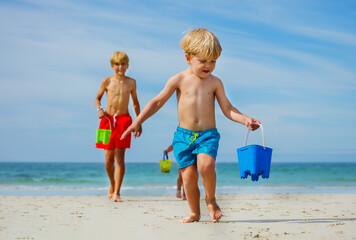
<point x="206" y="167"/>
<point x="119" y="154"/>
<point x="109" y="163"/>
<point x="191" y="181"/>
<point x="109" y="156"/>
<point x="190" y="178"/>
<point x="109" y="159"/>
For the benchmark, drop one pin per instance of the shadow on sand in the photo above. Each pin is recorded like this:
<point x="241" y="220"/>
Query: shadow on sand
<point x="293" y="220"/>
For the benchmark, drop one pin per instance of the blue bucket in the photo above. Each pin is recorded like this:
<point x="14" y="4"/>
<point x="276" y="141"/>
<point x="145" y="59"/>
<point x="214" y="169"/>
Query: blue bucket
<point x="254" y="160"/>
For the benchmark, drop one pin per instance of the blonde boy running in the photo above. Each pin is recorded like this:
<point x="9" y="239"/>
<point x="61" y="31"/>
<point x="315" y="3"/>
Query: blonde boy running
<point x="196" y="140"/>
<point x="118" y="89"/>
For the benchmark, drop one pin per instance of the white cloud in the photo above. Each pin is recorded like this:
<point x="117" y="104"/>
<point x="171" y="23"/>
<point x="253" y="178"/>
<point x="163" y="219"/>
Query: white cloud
<point x="325" y="34"/>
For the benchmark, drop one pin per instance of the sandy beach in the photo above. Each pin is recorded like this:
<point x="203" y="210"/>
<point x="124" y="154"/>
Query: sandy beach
<point x="265" y="216"/>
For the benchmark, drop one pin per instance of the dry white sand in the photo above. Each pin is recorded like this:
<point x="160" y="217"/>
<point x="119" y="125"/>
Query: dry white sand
<point x="266" y="216"/>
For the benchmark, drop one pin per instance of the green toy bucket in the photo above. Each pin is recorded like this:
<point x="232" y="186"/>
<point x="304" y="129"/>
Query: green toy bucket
<point x="103" y="135"/>
<point x="165" y="164"/>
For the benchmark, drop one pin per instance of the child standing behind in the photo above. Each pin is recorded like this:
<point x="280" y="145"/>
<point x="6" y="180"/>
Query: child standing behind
<point x="196" y="140"/>
<point x="118" y="89"/>
<point x="179" y="179"/>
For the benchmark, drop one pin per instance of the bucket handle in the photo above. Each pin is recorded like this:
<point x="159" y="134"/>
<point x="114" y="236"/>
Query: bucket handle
<point x="165" y="155"/>
<point x="107" y="119"/>
<point x="263" y="136"/>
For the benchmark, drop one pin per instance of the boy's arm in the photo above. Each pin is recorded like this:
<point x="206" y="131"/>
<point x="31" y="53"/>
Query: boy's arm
<point x="135" y="103"/>
<point x="230" y="111"/>
<point x="152" y="107"/>
<point x="168" y="150"/>
<point x="102" y="89"/>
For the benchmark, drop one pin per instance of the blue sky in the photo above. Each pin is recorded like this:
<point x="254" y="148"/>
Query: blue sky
<point x="290" y="64"/>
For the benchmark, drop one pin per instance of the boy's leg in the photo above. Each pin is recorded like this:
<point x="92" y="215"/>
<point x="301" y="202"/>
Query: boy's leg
<point x="190" y="182"/>
<point x="180" y="178"/>
<point x="206" y="167"/>
<point x="179" y="184"/>
<point x="119" y="172"/>
<point x="184" y="197"/>
<point x="110" y="170"/>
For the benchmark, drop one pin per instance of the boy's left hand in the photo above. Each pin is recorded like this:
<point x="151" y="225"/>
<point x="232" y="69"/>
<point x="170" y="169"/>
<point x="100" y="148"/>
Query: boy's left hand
<point x="252" y="124"/>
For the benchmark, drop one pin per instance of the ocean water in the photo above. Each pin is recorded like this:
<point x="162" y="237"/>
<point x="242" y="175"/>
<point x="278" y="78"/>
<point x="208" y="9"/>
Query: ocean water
<point x="145" y="179"/>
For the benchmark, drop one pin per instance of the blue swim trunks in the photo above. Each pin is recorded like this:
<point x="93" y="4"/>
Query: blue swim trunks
<point x="187" y="144"/>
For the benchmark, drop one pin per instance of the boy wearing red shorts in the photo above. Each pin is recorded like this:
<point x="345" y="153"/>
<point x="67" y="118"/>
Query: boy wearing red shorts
<point x="118" y="88"/>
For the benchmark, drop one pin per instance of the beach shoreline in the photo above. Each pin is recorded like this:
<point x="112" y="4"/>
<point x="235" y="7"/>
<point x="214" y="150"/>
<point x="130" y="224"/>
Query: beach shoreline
<point x="246" y="216"/>
<point x="145" y="179"/>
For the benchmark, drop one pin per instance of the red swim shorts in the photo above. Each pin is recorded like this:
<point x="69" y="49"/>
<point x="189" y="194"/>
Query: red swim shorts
<point x="119" y="124"/>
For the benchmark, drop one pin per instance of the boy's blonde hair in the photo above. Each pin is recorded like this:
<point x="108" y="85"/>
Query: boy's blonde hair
<point x="202" y="42"/>
<point x="119" y="57"/>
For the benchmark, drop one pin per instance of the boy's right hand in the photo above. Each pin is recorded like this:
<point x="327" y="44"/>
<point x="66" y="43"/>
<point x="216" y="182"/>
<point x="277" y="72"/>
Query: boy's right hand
<point x="132" y="128"/>
<point x="101" y="113"/>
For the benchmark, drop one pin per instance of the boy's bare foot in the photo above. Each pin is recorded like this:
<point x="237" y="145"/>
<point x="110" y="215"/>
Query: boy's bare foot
<point x="184" y="197"/>
<point x="215" y="212"/>
<point x="117" y="198"/>
<point x="109" y="196"/>
<point x="178" y="194"/>
<point x="191" y="218"/>
<point x="110" y="193"/>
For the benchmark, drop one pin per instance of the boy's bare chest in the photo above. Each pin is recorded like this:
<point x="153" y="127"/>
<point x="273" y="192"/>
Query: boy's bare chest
<point x="197" y="90"/>
<point x="119" y="88"/>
